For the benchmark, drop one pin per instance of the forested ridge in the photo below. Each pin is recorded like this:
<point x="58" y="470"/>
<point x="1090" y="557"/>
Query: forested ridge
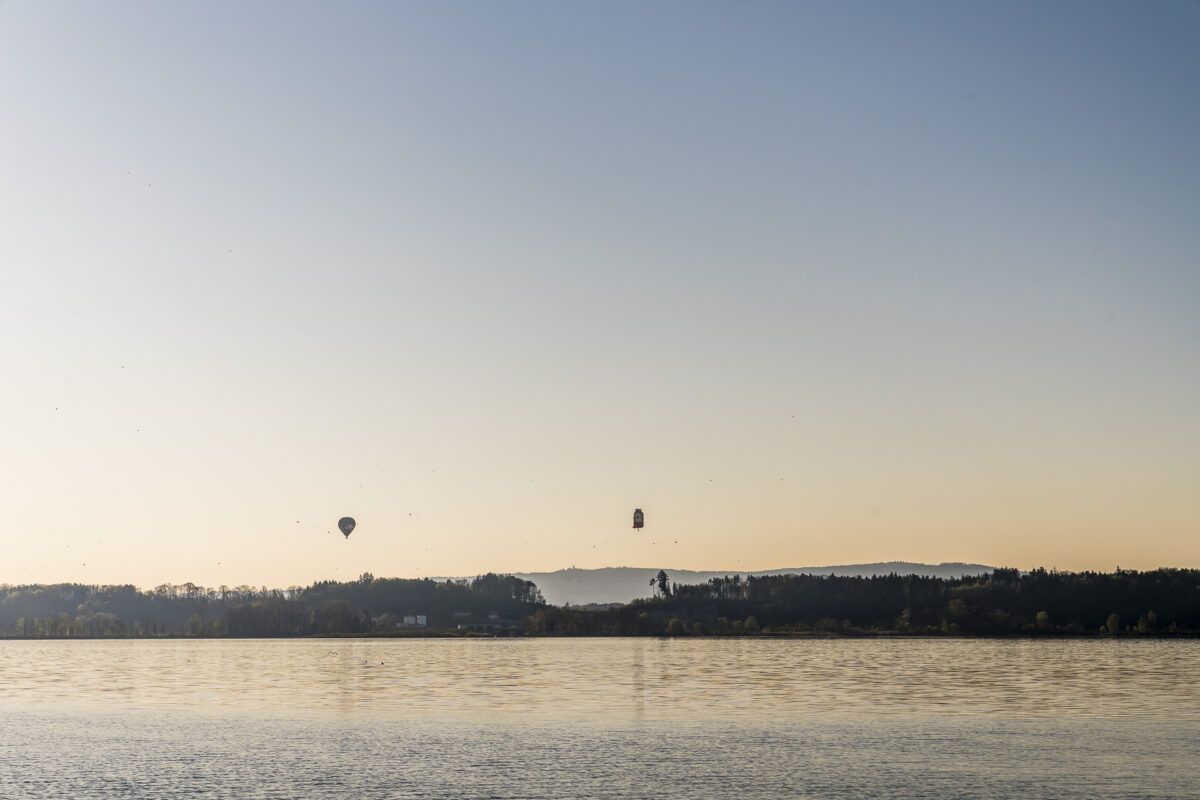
<point x="1163" y="602"/>
<point x="1004" y="602"/>
<point x="366" y="605"/>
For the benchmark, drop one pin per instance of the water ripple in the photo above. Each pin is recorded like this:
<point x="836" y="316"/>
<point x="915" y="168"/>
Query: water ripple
<point x="616" y="678"/>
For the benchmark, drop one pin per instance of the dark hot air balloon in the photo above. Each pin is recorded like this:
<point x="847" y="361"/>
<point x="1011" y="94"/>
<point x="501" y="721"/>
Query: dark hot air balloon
<point x="638" y="519"/>
<point x="346" y="525"/>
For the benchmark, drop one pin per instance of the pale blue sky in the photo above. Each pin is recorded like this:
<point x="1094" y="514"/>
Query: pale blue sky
<point x="810" y="282"/>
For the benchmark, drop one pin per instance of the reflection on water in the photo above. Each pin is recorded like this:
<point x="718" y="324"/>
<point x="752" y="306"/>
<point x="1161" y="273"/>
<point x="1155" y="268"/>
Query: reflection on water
<point x="615" y="678"/>
<point x="577" y="719"/>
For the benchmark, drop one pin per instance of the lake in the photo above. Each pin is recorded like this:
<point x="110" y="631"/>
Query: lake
<point x="600" y="718"/>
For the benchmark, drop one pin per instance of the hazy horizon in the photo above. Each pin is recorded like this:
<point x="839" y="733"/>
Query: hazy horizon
<point x="808" y="283"/>
<point x="763" y="570"/>
<point x="675" y="572"/>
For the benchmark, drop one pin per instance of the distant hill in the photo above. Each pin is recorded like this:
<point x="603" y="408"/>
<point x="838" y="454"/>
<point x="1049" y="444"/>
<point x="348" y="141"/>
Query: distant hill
<point x="623" y="584"/>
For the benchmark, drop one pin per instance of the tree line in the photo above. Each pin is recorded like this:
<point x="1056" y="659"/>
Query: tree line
<point x="1005" y="602"/>
<point x="1002" y="603"/>
<point x="367" y="605"/>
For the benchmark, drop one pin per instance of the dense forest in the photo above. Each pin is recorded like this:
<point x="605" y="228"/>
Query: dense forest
<point x="496" y="603"/>
<point x="1004" y="602"/>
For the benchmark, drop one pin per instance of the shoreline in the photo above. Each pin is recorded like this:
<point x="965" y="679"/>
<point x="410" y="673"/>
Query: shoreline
<point x="451" y="634"/>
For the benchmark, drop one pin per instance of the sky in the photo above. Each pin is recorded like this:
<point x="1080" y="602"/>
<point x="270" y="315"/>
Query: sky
<point x="810" y="283"/>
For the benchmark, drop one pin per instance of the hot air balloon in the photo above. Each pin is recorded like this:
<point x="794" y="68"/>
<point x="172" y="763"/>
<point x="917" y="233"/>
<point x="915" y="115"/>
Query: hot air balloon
<point x="346" y="525"/>
<point x="638" y="519"/>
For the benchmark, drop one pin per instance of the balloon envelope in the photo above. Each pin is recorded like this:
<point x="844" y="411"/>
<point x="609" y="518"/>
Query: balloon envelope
<point x="346" y="525"/>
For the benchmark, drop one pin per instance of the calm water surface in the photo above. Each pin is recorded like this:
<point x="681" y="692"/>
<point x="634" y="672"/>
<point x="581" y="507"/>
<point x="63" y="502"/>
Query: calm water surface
<point x="600" y="718"/>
